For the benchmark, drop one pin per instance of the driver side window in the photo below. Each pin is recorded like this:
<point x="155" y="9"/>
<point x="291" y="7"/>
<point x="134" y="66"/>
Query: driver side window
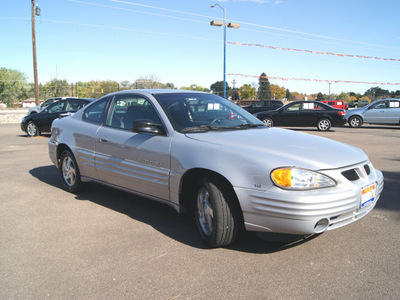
<point x="56" y="107"/>
<point x="380" y="105"/>
<point x="294" y="107"/>
<point x="126" y="109"/>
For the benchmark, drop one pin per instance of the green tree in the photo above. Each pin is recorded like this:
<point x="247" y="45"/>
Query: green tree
<point x="289" y="95"/>
<point x="264" y="88"/>
<point x="218" y="88"/>
<point x="277" y="92"/>
<point x="195" y="87"/>
<point x="247" y="91"/>
<point x="13" y="86"/>
<point x="125" y="85"/>
<point x="320" y="97"/>
<point x="376" y="93"/>
<point x="344" y="96"/>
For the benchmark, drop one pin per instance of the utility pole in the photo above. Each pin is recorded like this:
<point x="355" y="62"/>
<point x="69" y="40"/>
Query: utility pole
<point x="35" y="75"/>
<point x="329" y="97"/>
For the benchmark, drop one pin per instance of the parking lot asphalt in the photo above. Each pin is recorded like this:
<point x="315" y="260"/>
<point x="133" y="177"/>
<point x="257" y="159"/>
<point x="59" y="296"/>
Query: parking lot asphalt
<point x="107" y="244"/>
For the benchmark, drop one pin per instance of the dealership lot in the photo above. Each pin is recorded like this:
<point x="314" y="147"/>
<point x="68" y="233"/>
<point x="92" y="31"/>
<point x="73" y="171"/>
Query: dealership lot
<point x="105" y="243"/>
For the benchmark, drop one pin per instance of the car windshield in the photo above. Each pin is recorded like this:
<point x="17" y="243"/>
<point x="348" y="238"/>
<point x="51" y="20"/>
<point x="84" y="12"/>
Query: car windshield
<point x="197" y="112"/>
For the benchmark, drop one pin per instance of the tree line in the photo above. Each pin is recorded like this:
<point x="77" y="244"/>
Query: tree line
<point x="14" y="88"/>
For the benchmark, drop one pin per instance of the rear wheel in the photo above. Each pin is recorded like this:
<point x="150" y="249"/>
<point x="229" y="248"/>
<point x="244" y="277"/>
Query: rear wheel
<point x="32" y="129"/>
<point x="69" y="171"/>
<point x="324" y="124"/>
<point x="268" y="122"/>
<point x="355" y="121"/>
<point x="217" y="211"/>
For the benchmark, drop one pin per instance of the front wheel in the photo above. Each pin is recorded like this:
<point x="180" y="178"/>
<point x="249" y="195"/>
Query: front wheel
<point x="324" y="124"/>
<point x="32" y="129"/>
<point x="355" y="122"/>
<point x="217" y="212"/>
<point x="69" y="171"/>
<point x="268" y="122"/>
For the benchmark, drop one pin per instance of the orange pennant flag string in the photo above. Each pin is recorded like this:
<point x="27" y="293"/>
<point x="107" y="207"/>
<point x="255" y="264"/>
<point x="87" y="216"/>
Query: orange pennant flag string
<point x="314" y="52"/>
<point x="316" y="80"/>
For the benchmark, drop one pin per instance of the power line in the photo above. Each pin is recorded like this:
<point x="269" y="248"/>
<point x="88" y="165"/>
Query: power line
<point x="236" y="21"/>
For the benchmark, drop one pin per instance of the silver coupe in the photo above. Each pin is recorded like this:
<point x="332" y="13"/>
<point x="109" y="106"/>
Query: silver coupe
<point x="201" y="153"/>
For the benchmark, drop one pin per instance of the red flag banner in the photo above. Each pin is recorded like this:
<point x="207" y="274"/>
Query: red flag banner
<point x="313" y="52"/>
<point x="316" y="80"/>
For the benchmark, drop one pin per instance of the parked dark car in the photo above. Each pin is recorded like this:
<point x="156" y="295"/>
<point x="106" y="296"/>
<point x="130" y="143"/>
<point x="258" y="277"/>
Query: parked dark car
<point x="304" y="114"/>
<point x="35" y="124"/>
<point x="357" y="103"/>
<point x="263" y="105"/>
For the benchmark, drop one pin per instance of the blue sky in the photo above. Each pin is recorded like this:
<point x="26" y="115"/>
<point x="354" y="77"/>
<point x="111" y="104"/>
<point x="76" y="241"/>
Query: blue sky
<point x="82" y="40"/>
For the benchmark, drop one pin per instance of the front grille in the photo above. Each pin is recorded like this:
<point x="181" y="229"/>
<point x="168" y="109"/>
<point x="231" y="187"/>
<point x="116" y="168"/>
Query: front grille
<point x="351" y="175"/>
<point x="367" y="169"/>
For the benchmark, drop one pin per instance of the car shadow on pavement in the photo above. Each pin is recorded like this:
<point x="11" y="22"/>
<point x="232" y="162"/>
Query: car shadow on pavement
<point x="391" y="190"/>
<point x="164" y="219"/>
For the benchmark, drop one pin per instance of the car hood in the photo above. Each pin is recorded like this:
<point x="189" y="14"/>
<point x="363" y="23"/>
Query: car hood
<point x="285" y="147"/>
<point x="355" y="111"/>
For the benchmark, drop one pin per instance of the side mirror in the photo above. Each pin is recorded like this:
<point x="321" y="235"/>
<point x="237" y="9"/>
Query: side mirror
<point x="147" y="127"/>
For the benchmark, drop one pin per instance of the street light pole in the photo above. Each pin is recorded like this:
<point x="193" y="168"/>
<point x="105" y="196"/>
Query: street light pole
<point x="329" y="90"/>
<point x="35" y="75"/>
<point x="230" y="25"/>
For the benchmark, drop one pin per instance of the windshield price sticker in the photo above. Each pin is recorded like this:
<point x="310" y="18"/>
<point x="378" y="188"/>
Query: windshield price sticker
<point x="368" y="195"/>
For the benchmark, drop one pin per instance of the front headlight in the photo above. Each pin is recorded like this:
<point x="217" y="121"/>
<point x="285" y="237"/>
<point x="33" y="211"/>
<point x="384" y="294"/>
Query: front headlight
<point x="292" y="178"/>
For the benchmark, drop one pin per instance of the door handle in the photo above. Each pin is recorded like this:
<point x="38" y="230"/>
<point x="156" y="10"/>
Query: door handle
<point x="103" y="139"/>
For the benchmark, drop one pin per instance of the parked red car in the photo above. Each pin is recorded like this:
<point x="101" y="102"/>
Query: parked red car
<point x="336" y="103"/>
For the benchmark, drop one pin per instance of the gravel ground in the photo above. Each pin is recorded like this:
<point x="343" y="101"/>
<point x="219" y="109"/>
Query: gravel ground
<point x="12" y="116"/>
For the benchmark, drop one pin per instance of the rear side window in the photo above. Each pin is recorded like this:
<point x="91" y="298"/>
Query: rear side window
<point x="56" y="107"/>
<point x="95" y="112"/>
<point x="74" y="105"/>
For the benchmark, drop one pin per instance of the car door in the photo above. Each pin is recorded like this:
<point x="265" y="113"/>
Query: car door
<point x="135" y="161"/>
<point x="393" y="112"/>
<point x="288" y="115"/>
<point x="49" y="114"/>
<point x="309" y="114"/>
<point x="376" y="113"/>
<point x="93" y="118"/>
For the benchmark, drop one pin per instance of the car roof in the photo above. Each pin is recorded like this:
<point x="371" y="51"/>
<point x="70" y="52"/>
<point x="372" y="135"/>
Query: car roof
<point x="158" y="91"/>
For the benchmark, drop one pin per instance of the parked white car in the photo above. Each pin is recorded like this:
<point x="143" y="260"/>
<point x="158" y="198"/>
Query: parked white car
<point x="383" y="111"/>
<point x="200" y="152"/>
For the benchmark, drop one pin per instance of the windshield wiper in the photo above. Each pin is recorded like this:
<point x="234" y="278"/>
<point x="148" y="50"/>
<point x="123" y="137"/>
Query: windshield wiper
<point x="244" y="126"/>
<point x="201" y="128"/>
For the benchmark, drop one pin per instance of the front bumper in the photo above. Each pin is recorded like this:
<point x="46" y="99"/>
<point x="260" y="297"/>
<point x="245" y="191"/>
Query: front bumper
<point x="23" y="128"/>
<point x="314" y="211"/>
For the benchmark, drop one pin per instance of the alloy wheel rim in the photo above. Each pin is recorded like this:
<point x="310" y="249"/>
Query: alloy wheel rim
<point x="268" y="122"/>
<point x="205" y="212"/>
<point x="324" y="125"/>
<point x="355" y="122"/>
<point x="31" y="129"/>
<point x="69" y="173"/>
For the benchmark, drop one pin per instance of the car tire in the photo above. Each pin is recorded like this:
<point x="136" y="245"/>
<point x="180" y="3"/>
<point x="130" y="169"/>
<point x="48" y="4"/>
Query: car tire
<point x="217" y="212"/>
<point x="32" y="129"/>
<point x="268" y="122"/>
<point x="355" y="122"/>
<point x="324" y="124"/>
<point x="69" y="171"/>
